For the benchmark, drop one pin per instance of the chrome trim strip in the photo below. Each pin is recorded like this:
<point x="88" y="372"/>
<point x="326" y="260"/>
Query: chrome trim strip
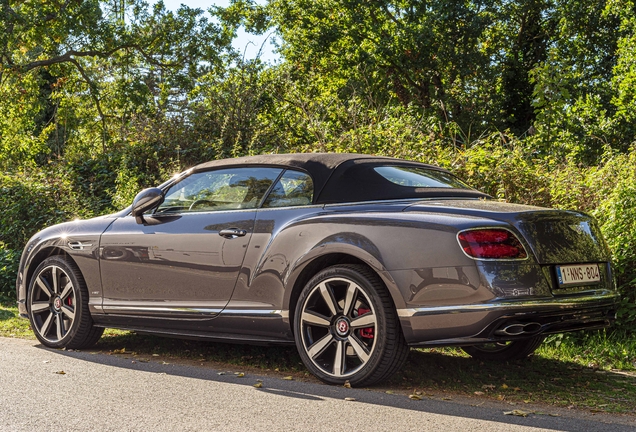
<point x="253" y="312"/>
<point x="389" y="201"/>
<point x="265" y="209"/>
<point x="510" y="305"/>
<point x="168" y="310"/>
<point x="277" y="313"/>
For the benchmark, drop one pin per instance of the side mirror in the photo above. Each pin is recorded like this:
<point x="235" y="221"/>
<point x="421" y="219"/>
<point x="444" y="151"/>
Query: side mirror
<point x="144" y="201"/>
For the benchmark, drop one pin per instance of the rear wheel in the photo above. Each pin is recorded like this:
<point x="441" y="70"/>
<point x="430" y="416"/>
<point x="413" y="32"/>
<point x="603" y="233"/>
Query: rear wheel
<point x="347" y="329"/>
<point x="502" y="351"/>
<point x="58" y="306"/>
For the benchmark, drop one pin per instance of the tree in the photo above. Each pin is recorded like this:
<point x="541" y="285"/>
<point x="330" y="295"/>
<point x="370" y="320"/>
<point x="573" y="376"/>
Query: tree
<point x="126" y="57"/>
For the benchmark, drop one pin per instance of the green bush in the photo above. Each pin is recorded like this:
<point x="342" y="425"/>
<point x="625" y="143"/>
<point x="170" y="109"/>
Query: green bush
<point x="9" y="260"/>
<point x="31" y="201"/>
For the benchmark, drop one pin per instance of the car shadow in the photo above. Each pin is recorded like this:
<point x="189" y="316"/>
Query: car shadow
<point x="445" y="381"/>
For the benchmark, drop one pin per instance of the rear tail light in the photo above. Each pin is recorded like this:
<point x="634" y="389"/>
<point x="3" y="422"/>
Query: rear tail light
<point x="491" y="243"/>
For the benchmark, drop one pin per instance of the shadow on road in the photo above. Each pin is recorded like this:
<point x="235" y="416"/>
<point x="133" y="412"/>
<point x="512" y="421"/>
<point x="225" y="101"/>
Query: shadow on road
<point x="427" y="373"/>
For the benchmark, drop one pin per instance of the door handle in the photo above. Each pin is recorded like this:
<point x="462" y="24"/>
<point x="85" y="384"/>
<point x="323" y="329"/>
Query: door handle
<point x="232" y="233"/>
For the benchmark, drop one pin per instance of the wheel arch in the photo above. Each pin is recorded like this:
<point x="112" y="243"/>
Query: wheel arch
<point x="310" y="267"/>
<point x="39" y="257"/>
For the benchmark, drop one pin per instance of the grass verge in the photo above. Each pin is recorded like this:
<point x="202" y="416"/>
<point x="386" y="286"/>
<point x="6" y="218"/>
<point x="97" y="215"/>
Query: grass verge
<point x="594" y="371"/>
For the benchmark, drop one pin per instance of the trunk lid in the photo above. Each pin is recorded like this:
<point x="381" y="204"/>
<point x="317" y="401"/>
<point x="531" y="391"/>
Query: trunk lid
<point x="554" y="236"/>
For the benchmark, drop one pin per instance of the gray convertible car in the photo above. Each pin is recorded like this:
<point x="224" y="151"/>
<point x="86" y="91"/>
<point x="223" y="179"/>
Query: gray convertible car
<point x="352" y="258"/>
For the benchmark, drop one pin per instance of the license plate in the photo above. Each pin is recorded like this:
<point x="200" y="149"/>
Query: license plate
<point x="578" y="274"/>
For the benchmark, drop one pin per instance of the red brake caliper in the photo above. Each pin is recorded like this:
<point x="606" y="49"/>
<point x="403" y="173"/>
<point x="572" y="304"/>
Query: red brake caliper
<point x="368" y="331"/>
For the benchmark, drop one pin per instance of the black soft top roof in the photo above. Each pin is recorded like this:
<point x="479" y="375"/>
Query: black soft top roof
<point x="345" y="177"/>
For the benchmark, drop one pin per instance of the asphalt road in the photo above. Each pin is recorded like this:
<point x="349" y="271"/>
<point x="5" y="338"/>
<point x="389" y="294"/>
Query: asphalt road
<point x="99" y="392"/>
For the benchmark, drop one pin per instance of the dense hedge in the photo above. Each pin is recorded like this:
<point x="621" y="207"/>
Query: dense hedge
<point x="506" y="169"/>
<point x="34" y="199"/>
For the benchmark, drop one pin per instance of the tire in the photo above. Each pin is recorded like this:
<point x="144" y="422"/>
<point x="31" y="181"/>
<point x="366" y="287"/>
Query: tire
<point x="57" y="304"/>
<point x="346" y="327"/>
<point x="515" y="350"/>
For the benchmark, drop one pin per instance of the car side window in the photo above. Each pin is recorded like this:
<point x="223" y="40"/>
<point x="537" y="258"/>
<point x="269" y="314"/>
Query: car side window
<point x="294" y="188"/>
<point x="224" y="189"/>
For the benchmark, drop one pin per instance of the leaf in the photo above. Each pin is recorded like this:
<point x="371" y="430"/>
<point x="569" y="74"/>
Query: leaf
<point x="347" y="384"/>
<point x="350" y="399"/>
<point x="220" y="373"/>
<point x="258" y="385"/>
<point x="119" y="351"/>
<point x="288" y="378"/>
<point x="479" y="393"/>
<point x="415" y="397"/>
<point x="518" y="413"/>
<point x="504" y="386"/>
<point x="155" y="355"/>
<point x="388" y="392"/>
<point x="488" y="386"/>
<point x="239" y="374"/>
<point x="61" y="372"/>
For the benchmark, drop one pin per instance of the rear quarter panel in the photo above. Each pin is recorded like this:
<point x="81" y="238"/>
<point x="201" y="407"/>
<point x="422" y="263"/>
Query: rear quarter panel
<point x="391" y="242"/>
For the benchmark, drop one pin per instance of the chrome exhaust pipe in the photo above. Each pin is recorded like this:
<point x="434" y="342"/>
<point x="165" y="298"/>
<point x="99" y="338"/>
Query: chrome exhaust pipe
<point x="512" y="330"/>
<point x="532" y="328"/>
<point x="519" y="329"/>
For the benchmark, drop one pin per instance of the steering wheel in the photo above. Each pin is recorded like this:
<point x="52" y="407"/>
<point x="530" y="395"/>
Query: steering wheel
<point x="201" y="201"/>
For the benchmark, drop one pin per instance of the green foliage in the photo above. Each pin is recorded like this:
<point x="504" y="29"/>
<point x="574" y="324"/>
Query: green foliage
<point x="9" y="260"/>
<point x="600" y="349"/>
<point x="531" y="101"/>
<point x="29" y="204"/>
<point x="31" y="201"/>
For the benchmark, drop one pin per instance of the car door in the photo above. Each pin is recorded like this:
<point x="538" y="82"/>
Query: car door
<point x="184" y="260"/>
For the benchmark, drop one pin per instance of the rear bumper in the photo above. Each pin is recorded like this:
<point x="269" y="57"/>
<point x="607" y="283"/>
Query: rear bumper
<point x="507" y="319"/>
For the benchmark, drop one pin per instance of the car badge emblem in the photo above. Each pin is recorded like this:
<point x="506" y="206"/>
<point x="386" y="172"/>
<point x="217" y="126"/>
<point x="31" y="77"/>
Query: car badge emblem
<point x="342" y="326"/>
<point x="57" y="303"/>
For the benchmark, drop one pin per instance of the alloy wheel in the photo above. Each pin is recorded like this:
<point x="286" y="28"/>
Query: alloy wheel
<point x="338" y="327"/>
<point x="52" y="303"/>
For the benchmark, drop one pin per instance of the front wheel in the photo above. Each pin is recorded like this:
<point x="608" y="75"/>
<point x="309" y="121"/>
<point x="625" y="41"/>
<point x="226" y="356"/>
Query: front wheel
<point x="347" y="329"/>
<point x="58" y="305"/>
<point x="502" y="351"/>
